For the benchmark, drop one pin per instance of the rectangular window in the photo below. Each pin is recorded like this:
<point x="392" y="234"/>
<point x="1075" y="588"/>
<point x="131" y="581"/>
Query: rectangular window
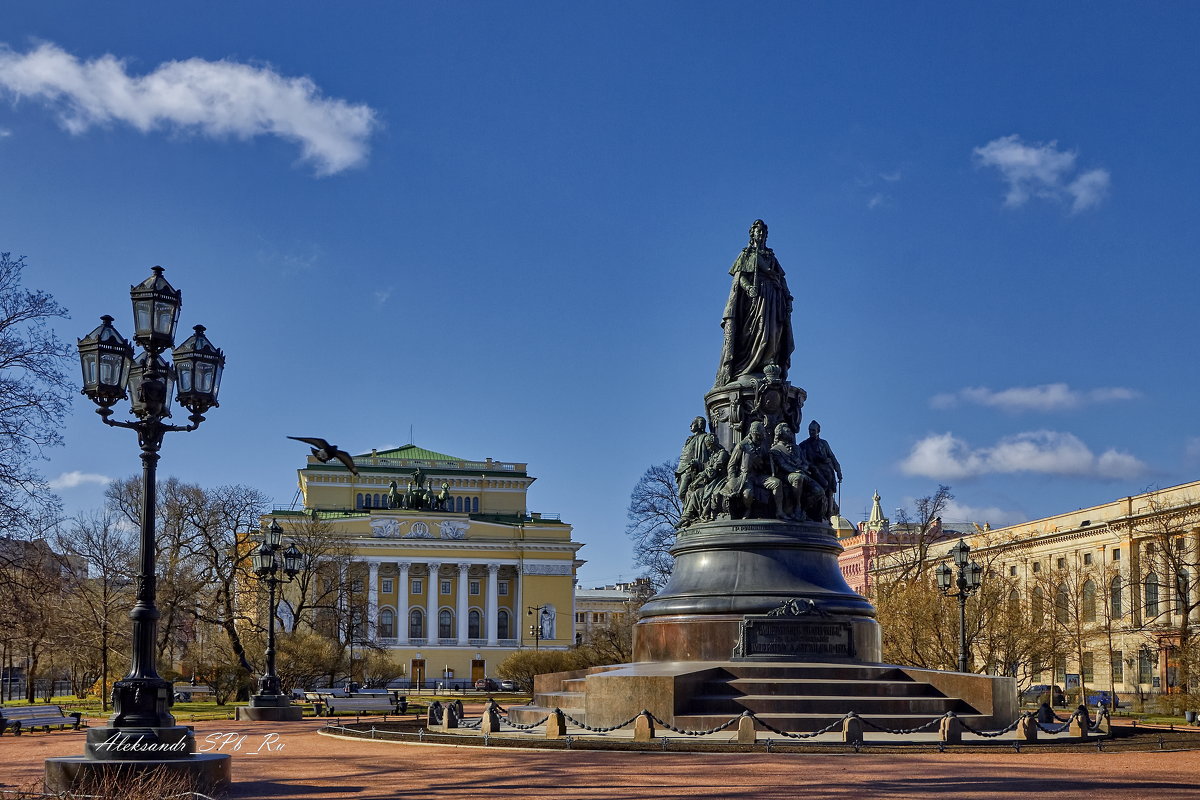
<point x="356" y="586"/>
<point x="1012" y="570"/>
<point x="1087" y="558"/>
<point x="1116" y="556"/>
<point x="387" y="586"/>
<point x="1037" y="566"/>
<point x="445" y="587"/>
<point x="597" y="617"/>
<point x="1060" y="669"/>
<point x="1118" y="667"/>
<point x="1088" y="667"/>
<point x="418" y="586"/>
<point x="474" y="587"/>
<point x="1145" y="667"/>
<point x="1061" y="563"/>
<point x="502" y="588"/>
<point x="580" y="617"/>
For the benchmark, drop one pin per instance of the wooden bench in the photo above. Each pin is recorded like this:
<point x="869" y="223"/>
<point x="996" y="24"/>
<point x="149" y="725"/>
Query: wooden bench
<point x="184" y="692"/>
<point x="21" y="718"/>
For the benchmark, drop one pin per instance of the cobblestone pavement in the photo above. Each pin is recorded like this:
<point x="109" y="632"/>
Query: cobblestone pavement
<point x="311" y="767"/>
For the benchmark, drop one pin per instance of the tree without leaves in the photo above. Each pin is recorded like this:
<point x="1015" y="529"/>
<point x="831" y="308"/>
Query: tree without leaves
<point x="34" y="394"/>
<point x="654" y="512"/>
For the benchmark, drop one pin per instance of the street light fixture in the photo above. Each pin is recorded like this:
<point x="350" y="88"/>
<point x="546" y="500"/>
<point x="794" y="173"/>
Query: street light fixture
<point x="111" y="373"/>
<point x="273" y="567"/>
<point x="535" y="629"/>
<point x="967" y="583"/>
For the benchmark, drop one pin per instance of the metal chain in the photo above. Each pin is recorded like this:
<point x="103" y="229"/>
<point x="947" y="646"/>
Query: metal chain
<point x="991" y="734"/>
<point x="899" y="731"/>
<point x="587" y="727"/>
<point x="717" y="729"/>
<point x="831" y="726"/>
<point x="518" y="726"/>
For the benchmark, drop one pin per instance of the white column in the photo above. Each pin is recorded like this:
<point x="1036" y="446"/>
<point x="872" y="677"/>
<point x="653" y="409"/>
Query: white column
<point x="372" y="600"/>
<point x="402" y="603"/>
<point x="462" y="605"/>
<point x="431" y="608"/>
<point x="517" y="592"/>
<point x="493" y="605"/>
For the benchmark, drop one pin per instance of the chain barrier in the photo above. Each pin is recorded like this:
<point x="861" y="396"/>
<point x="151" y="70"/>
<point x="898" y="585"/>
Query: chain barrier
<point x="671" y="727"/>
<point x="899" y="731"/>
<point x="831" y="726"/>
<point x="519" y="726"/>
<point x="1066" y="724"/>
<point x="587" y="727"/>
<point x="992" y="734"/>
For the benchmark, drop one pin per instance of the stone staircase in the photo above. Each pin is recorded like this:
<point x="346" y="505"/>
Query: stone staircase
<point x="794" y="697"/>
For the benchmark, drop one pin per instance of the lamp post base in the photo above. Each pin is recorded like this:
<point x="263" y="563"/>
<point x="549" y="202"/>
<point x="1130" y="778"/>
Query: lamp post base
<point x="208" y="773"/>
<point x="270" y="707"/>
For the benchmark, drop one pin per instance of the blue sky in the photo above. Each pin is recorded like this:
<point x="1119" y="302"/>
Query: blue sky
<point x="509" y="226"/>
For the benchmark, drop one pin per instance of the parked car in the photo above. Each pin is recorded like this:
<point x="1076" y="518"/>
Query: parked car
<point x="487" y="685"/>
<point x="1040" y="692"/>
<point x="1098" y="698"/>
<point x="507" y="686"/>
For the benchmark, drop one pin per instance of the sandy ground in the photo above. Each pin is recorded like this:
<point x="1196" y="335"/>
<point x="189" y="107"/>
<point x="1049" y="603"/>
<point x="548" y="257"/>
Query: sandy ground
<point x="311" y="767"/>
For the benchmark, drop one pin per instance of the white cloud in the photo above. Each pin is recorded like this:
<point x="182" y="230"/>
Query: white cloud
<point x="382" y="295"/>
<point x="1191" y="448"/>
<point x="1042" y="170"/>
<point x="215" y="98"/>
<point x="1046" y="397"/>
<point x="69" y="480"/>
<point x="876" y="200"/>
<point x="998" y="517"/>
<point x="946" y="457"/>
<point x="5" y="132"/>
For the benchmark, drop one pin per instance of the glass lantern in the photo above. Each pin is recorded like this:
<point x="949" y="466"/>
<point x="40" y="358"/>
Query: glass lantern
<point x="199" y="365"/>
<point x="263" y="560"/>
<point x="151" y="381"/>
<point x="105" y="358"/>
<point x="945" y="576"/>
<point x="273" y="535"/>
<point x="291" y="560"/>
<point x="155" y="311"/>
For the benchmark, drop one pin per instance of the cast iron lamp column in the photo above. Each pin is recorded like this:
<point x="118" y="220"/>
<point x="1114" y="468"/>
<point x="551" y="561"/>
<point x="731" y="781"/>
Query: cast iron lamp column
<point x="270" y="702"/>
<point x="967" y="583"/>
<point x="142" y="730"/>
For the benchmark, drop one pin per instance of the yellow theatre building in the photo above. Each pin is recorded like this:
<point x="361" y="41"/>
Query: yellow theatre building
<point x="434" y="559"/>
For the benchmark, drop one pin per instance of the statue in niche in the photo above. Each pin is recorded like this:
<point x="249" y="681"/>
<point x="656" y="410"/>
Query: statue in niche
<point x="758" y="314"/>
<point x="825" y="469"/>
<point x="394" y="499"/>
<point x="696" y="452"/>
<point x="705" y="491"/>
<point x="746" y="494"/>
<point x="547" y="623"/>
<point x="790" y="481"/>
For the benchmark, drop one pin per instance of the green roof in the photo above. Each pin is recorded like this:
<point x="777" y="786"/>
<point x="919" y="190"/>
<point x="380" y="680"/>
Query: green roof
<point x="411" y="451"/>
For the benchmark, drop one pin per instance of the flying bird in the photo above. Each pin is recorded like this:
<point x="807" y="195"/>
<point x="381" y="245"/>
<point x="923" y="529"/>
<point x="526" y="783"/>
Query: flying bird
<point x="324" y="451"/>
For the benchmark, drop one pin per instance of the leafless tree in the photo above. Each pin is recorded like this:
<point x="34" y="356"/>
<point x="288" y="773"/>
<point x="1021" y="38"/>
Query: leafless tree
<point x="653" y="515"/>
<point x="34" y="394"/>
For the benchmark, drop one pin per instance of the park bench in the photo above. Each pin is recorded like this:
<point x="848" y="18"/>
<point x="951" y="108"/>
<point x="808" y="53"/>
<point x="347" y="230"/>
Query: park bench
<point x="185" y="692"/>
<point x="20" y="718"/>
<point x="328" y="703"/>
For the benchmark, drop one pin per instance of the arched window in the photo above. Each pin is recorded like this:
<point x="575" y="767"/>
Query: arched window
<point x="502" y="624"/>
<point x="416" y="624"/>
<point x="473" y="624"/>
<point x="1114" y="599"/>
<point x="1062" y="604"/>
<point x="1152" y="594"/>
<point x="1089" y="601"/>
<point x="378" y="502"/>
<point x="387" y="623"/>
<point x="1037" y="606"/>
<point x="358" y="500"/>
<point x="1014" y="604"/>
<point x="458" y="504"/>
<point x="1183" y="594"/>
<point x="445" y="624"/>
<point x="474" y="505"/>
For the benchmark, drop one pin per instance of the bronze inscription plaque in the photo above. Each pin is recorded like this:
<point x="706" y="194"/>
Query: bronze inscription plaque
<point x="793" y="639"/>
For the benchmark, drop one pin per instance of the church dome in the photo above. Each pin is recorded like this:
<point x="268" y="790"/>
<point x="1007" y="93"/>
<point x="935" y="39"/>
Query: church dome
<point x="843" y="527"/>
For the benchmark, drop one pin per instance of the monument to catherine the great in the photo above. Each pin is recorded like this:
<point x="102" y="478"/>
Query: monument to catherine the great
<point x="757" y="615"/>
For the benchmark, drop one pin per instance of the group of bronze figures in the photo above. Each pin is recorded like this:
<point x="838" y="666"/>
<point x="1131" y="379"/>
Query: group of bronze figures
<point x="416" y="497"/>
<point x="781" y="479"/>
<point x="751" y="466"/>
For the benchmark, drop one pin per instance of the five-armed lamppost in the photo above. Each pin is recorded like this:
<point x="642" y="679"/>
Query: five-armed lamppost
<point x="142" y="727"/>
<point x="967" y="583"/>
<point x="273" y="568"/>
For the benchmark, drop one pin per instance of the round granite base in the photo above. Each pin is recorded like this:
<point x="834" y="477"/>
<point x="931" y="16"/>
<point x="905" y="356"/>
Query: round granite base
<point x="712" y="637"/>
<point x="208" y="773"/>
<point x="287" y="713"/>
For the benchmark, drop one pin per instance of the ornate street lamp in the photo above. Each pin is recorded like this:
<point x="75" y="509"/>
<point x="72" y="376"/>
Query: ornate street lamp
<point x="967" y="583"/>
<point x="142" y="728"/>
<point x="535" y="629"/>
<point x="273" y="568"/>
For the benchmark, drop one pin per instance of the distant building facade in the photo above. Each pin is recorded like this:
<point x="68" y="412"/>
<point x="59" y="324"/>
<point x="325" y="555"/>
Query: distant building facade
<point x="437" y="561"/>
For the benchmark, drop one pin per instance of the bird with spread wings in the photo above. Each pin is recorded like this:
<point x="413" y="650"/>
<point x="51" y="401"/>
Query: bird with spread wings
<point x="323" y="451"/>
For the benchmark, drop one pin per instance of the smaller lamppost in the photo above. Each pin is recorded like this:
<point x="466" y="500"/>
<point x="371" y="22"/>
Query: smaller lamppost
<point x="273" y="568"/>
<point x="967" y="583"/>
<point x="535" y="628"/>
